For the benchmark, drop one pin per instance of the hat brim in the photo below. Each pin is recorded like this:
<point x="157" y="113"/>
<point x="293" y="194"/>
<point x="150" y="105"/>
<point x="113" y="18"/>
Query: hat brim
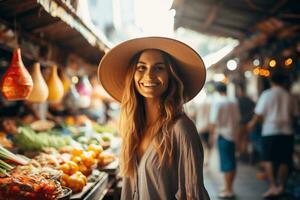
<point x="113" y="66"/>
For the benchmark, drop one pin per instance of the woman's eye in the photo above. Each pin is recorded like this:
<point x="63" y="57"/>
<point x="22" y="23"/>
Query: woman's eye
<point x="140" y="68"/>
<point x="159" y="68"/>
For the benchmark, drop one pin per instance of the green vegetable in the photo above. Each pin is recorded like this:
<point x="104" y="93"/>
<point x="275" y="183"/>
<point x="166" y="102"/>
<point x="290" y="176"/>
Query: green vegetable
<point x="93" y="141"/>
<point x="101" y="128"/>
<point x="4" y="153"/>
<point x="4" y="167"/>
<point x="106" y="138"/>
<point x="28" y="139"/>
<point x="83" y="140"/>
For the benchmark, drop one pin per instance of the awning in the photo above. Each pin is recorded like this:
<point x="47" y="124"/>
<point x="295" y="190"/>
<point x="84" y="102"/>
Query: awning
<point x="54" y="22"/>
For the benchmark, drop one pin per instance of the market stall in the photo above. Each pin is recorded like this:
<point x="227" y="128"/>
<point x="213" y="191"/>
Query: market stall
<point x="58" y="138"/>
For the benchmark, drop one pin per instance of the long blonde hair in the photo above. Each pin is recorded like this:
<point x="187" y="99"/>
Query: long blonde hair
<point x="133" y="116"/>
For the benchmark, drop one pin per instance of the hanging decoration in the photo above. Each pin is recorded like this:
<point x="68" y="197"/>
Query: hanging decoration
<point x="84" y="89"/>
<point x="56" y="88"/>
<point x="72" y="97"/>
<point x="84" y="86"/>
<point x="65" y="81"/>
<point x="40" y="90"/>
<point x="16" y="82"/>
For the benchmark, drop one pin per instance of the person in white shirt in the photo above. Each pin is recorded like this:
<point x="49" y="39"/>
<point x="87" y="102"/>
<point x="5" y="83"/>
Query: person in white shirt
<point x="276" y="109"/>
<point x="203" y="125"/>
<point x="224" y="119"/>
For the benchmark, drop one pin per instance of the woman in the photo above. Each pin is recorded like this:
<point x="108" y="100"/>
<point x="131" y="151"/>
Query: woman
<point x="161" y="153"/>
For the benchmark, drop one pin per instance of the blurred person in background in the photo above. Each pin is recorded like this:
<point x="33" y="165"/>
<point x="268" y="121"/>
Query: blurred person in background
<point x="224" y="119"/>
<point x="202" y="121"/>
<point x="161" y="152"/>
<point x="246" y="108"/>
<point x="276" y="109"/>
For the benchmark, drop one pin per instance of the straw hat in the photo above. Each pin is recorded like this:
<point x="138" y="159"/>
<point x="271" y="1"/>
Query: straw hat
<point x="113" y="66"/>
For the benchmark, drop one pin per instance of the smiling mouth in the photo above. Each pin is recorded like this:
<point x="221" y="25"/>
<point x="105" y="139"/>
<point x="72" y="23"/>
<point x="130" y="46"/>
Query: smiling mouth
<point x="150" y="84"/>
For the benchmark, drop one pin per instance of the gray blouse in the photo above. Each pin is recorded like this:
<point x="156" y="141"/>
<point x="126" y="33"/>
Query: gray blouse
<point x="183" y="178"/>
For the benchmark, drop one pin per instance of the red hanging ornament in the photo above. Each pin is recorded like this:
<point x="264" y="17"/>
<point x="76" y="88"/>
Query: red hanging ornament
<point x="16" y="82"/>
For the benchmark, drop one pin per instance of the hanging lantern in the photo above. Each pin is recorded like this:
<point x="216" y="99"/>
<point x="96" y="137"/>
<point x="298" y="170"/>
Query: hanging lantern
<point x="40" y="90"/>
<point x="84" y="86"/>
<point x="55" y="86"/>
<point x="66" y="82"/>
<point x="84" y="89"/>
<point x="16" y="82"/>
<point x="72" y="97"/>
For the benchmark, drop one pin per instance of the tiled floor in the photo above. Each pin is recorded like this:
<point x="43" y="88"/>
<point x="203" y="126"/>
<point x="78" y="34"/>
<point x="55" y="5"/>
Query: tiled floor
<point x="246" y="186"/>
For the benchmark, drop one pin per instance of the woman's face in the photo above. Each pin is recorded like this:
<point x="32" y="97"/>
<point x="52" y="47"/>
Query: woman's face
<point x="151" y="74"/>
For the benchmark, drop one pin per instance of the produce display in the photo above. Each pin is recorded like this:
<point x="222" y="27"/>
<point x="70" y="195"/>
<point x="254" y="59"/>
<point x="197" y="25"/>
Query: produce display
<point x="4" y="141"/>
<point x="25" y="181"/>
<point x="6" y="154"/>
<point x="78" y="165"/>
<point x="24" y="187"/>
<point x="65" y="156"/>
<point x="5" y="168"/>
<point x="29" y="182"/>
<point x="51" y="143"/>
<point x="103" y="129"/>
<point x="42" y="125"/>
<point x="28" y="139"/>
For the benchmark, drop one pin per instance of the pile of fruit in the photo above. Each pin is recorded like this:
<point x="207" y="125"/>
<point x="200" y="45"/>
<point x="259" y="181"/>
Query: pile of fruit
<point x="78" y="164"/>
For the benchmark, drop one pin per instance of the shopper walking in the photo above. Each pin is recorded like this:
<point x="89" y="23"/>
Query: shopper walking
<point x="246" y="108"/>
<point x="161" y="152"/>
<point x="202" y="110"/>
<point x="225" y="117"/>
<point x="276" y="109"/>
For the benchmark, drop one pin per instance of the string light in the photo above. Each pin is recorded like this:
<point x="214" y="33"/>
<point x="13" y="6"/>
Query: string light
<point x="272" y="63"/>
<point x="265" y="72"/>
<point x="256" y="62"/>
<point x="248" y="74"/>
<point x="262" y="72"/>
<point x="288" y="61"/>
<point x="231" y="65"/>
<point x="256" y="71"/>
<point x="74" y="79"/>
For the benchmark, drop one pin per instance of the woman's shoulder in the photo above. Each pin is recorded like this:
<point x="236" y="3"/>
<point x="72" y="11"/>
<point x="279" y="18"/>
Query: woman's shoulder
<point x="183" y="121"/>
<point x="184" y="127"/>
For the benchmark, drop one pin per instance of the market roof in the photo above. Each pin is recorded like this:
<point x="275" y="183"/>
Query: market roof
<point x="236" y="18"/>
<point x="55" y="22"/>
<point x="255" y="23"/>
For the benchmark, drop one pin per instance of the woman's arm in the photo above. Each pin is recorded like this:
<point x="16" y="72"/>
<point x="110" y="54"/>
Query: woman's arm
<point x="190" y="161"/>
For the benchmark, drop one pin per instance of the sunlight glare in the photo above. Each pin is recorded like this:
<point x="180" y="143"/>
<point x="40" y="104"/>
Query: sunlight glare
<point x="155" y="17"/>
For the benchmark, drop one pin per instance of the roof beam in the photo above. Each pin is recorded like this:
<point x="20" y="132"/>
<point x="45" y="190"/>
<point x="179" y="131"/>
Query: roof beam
<point x="277" y="6"/>
<point x="215" y="29"/>
<point x="47" y="26"/>
<point x="212" y="16"/>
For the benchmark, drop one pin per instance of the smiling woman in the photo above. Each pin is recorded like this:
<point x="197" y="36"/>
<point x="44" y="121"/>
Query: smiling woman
<point x="161" y="152"/>
<point x="151" y="76"/>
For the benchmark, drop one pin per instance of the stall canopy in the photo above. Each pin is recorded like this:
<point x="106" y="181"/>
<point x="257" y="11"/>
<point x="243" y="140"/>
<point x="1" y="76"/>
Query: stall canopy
<point x="55" y="22"/>
<point x="253" y="22"/>
<point x="236" y="18"/>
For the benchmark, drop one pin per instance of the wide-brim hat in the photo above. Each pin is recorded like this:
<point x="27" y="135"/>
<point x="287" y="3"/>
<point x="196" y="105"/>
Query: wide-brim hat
<point x="113" y="66"/>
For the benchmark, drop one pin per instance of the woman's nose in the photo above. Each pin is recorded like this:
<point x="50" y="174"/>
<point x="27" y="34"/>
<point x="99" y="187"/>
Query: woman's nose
<point x="150" y="73"/>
